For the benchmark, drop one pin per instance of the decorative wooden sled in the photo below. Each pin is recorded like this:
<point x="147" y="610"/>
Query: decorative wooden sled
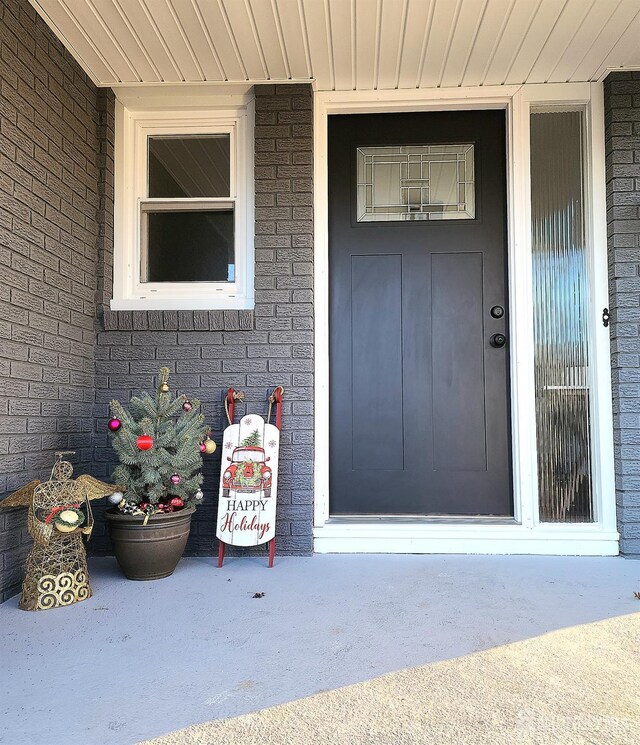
<point x="249" y="478"/>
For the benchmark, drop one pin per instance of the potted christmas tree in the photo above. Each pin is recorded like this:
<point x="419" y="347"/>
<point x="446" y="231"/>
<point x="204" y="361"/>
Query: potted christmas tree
<point x="159" y="442"/>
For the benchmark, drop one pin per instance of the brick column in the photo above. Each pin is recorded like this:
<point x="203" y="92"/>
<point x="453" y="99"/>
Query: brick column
<point x="622" y="121"/>
<point x="284" y="287"/>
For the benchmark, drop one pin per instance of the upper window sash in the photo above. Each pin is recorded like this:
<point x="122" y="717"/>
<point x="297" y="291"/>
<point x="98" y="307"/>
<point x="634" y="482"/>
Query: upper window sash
<point x="182" y="128"/>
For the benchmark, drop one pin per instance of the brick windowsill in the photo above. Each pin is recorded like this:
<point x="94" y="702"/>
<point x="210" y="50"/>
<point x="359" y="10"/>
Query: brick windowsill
<point x="178" y="320"/>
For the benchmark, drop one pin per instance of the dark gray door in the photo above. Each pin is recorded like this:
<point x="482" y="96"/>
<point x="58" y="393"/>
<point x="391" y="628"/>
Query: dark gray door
<point x="419" y="412"/>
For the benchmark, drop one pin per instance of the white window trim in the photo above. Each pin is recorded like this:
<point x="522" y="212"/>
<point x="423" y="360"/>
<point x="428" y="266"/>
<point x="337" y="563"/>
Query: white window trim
<point x="133" y="127"/>
<point x="525" y="534"/>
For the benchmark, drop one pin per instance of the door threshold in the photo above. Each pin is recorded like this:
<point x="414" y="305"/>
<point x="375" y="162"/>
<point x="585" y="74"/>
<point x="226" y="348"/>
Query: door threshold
<point x="383" y="519"/>
<point x="420" y="534"/>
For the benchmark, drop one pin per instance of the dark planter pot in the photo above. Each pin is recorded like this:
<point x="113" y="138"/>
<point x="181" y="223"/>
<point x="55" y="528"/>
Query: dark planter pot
<point x="150" y="551"/>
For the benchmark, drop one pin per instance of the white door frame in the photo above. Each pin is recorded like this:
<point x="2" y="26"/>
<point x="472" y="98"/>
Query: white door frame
<point x="525" y="534"/>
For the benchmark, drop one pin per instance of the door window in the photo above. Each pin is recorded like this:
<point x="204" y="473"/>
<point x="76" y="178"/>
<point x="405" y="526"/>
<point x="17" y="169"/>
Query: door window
<point x="416" y="182"/>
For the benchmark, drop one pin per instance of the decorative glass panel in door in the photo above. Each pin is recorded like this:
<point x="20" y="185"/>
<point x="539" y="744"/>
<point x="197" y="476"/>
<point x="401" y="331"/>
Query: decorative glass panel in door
<point x="561" y="301"/>
<point x="416" y="182"/>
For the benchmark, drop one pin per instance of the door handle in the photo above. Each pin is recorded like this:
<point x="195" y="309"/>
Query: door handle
<point x="498" y="340"/>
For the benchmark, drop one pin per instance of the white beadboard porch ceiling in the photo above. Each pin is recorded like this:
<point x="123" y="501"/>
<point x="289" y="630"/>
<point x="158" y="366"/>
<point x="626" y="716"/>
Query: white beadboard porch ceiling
<point x="348" y="44"/>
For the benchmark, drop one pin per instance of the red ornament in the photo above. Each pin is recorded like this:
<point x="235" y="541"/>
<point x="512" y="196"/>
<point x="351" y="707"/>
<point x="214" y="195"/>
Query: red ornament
<point x="168" y="508"/>
<point x="114" y="424"/>
<point x="144" y="442"/>
<point x="203" y="447"/>
<point x="176" y="502"/>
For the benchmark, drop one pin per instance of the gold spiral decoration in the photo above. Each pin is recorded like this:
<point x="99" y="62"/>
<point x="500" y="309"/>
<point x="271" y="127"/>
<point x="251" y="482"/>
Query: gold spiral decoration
<point x="83" y="592"/>
<point x="47" y="595"/>
<point x="48" y="592"/>
<point x="48" y="600"/>
<point x="64" y="589"/>
<point x="81" y="577"/>
<point x="66" y="597"/>
<point x="47" y="583"/>
<point x="65" y="581"/>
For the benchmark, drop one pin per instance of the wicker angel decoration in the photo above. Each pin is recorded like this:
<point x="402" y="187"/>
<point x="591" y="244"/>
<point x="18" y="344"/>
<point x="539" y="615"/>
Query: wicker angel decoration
<point x="56" y="571"/>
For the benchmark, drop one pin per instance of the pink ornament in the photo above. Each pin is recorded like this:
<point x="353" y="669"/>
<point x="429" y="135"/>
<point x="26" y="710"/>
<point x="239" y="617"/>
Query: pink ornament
<point x="114" y="424"/>
<point x="175" y="479"/>
<point x="176" y="502"/>
<point x="187" y="405"/>
<point x="203" y="447"/>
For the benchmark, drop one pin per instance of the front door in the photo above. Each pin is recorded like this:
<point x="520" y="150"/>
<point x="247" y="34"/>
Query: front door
<point x="419" y="355"/>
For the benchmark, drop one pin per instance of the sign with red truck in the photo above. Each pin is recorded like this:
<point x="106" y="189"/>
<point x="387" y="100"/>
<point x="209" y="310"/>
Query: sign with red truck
<point x="248" y="482"/>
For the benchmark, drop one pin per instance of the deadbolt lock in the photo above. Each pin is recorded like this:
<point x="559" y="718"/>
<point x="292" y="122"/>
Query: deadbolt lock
<point x="497" y="311"/>
<point x="498" y="340"/>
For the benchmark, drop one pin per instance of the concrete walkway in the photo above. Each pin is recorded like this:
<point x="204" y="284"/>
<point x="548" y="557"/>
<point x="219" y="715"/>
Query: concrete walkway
<point x="576" y="686"/>
<point x="141" y="659"/>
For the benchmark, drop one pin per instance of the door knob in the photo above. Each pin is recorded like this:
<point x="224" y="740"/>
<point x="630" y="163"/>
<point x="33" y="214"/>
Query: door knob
<point x="498" y="340"/>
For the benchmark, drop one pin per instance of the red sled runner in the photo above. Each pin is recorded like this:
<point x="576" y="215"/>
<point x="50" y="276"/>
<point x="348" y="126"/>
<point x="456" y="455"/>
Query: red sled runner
<point x="249" y="478"/>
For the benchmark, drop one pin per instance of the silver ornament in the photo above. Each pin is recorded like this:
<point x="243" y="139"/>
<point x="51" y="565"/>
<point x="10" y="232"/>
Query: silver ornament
<point x="115" y="498"/>
<point x="199" y="494"/>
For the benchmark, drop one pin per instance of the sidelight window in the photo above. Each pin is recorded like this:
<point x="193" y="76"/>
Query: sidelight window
<point x="561" y="330"/>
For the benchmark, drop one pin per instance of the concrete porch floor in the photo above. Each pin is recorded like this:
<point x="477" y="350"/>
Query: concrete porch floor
<point x="141" y="659"/>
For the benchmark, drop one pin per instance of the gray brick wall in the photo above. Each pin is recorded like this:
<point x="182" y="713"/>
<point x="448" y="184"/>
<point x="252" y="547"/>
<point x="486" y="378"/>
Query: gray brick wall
<point x="622" y="121"/>
<point x="48" y="254"/>
<point x="209" y="352"/>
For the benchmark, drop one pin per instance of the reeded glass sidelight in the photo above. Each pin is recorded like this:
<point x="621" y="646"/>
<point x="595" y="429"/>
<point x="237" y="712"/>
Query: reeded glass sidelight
<point x="560" y="304"/>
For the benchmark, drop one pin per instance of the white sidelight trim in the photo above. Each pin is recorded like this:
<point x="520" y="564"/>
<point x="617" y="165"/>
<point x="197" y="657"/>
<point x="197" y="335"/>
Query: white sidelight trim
<point x="525" y="534"/>
<point x="602" y="407"/>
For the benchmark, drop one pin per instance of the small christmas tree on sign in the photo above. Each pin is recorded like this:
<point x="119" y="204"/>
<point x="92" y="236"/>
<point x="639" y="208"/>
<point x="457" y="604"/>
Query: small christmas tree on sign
<point x="252" y="440"/>
<point x="159" y="442"/>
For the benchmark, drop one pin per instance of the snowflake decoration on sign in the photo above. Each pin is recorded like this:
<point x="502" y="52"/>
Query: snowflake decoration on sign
<point x="272" y="443"/>
<point x="248" y="421"/>
<point x="229" y="445"/>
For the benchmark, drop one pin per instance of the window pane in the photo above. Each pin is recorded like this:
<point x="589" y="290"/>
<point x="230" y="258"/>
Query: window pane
<point x="416" y="182"/>
<point x="561" y="297"/>
<point x="196" y="166"/>
<point x="187" y="246"/>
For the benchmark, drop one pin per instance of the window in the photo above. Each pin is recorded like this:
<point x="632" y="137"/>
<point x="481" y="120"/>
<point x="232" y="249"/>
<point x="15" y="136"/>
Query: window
<point x="416" y="182"/>
<point x="184" y="210"/>
<point x="561" y="312"/>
